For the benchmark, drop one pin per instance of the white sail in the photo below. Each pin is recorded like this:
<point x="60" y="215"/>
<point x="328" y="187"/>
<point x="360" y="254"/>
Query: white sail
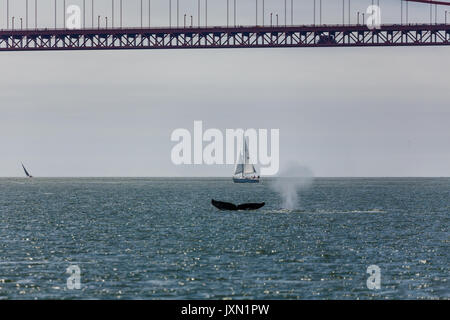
<point x="244" y="167"/>
<point x="249" y="168"/>
<point x="239" y="169"/>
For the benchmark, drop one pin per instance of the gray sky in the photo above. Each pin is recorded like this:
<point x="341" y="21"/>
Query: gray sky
<point x="341" y="112"/>
<point x="246" y="13"/>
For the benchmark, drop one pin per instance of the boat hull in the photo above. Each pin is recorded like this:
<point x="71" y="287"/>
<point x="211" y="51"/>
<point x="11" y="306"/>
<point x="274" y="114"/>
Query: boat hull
<point x="245" y="180"/>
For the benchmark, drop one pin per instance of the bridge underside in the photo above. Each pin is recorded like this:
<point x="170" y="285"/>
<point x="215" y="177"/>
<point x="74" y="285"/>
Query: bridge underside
<point x="222" y="37"/>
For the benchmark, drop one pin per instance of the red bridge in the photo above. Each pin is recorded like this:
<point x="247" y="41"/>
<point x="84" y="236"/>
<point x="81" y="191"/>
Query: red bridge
<point x="225" y="37"/>
<point x="196" y="37"/>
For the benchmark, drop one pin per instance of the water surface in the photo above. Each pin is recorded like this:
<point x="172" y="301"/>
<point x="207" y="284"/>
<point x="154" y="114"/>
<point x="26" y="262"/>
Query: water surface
<point x="162" y="239"/>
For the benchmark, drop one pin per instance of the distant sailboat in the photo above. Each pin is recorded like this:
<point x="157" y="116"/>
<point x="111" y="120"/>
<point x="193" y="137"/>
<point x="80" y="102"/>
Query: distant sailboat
<point x="26" y="172"/>
<point x="245" y="171"/>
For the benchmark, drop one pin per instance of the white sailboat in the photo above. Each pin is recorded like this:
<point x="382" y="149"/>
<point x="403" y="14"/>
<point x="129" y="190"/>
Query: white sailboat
<point x="245" y="171"/>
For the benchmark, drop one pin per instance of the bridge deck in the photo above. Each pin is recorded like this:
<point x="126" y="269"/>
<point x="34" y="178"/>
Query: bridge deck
<point x="224" y="37"/>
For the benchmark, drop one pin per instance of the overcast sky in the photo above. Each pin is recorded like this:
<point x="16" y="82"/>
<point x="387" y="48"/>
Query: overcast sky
<point x="341" y="112"/>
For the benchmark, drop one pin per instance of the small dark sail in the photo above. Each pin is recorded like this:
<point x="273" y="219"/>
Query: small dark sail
<point x="26" y="172"/>
<point x="232" y="207"/>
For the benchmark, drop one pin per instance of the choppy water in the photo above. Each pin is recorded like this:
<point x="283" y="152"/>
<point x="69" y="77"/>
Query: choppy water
<point x="161" y="239"/>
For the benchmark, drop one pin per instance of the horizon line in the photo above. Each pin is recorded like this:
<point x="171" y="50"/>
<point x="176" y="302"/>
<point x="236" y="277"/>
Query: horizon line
<point x="213" y="177"/>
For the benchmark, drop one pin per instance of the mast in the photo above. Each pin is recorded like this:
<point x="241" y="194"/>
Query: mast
<point x="244" y="155"/>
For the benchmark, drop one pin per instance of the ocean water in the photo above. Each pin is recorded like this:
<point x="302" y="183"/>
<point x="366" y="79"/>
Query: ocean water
<point x="162" y="239"/>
